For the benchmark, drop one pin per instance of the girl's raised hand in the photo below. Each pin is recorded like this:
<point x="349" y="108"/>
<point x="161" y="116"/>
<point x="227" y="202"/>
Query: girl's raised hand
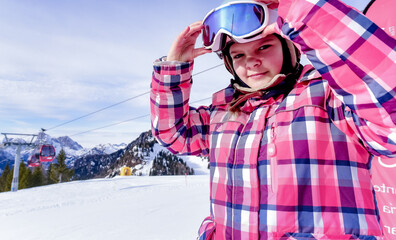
<point x="183" y="48"/>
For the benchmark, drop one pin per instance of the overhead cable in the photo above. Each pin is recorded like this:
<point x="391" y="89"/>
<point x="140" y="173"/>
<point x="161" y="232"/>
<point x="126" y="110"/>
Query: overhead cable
<point x="118" y="103"/>
<point x="110" y="125"/>
<point x="128" y="120"/>
<point x="89" y="114"/>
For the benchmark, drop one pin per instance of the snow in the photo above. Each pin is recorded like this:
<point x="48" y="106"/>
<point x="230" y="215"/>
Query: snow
<point x="133" y="207"/>
<point x="165" y="207"/>
<point x="199" y="165"/>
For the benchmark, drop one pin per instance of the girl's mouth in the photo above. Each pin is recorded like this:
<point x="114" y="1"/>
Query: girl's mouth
<point x="257" y="75"/>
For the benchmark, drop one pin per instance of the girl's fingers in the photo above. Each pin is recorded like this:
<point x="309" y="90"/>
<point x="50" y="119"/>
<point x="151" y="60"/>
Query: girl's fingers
<point x="182" y="48"/>
<point x="184" y="33"/>
<point x="191" y="37"/>
<point x="194" y="29"/>
<point x="195" y="35"/>
<point x="201" y="51"/>
<point x="197" y="24"/>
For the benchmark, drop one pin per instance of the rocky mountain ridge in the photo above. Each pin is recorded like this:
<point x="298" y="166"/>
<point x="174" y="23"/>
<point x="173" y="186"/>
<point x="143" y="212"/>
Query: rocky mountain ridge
<point x="143" y="155"/>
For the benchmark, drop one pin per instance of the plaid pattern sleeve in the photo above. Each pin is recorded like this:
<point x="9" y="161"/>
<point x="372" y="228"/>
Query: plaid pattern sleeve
<point x="357" y="58"/>
<point x="176" y="125"/>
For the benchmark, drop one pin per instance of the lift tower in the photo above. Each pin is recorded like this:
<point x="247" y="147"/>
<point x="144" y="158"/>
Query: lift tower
<point x="8" y="142"/>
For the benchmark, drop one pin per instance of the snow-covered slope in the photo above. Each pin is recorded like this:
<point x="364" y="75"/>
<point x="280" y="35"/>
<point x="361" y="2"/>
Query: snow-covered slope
<point x="144" y="208"/>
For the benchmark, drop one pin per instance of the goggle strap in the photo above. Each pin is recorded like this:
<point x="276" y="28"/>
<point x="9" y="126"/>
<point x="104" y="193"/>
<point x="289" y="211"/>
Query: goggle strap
<point x="253" y="36"/>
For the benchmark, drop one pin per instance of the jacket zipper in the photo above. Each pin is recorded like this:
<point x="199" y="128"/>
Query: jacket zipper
<point x="273" y="162"/>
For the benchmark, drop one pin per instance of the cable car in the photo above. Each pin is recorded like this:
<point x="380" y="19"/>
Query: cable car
<point x="34" y="160"/>
<point x="46" y="153"/>
<point x="42" y="153"/>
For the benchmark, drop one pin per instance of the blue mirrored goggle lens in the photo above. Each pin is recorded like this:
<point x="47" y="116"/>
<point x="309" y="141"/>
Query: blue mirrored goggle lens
<point x="238" y="19"/>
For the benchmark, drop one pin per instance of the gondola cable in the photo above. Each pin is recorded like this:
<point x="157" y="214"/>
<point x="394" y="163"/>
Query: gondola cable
<point x="118" y="103"/>
<point x="102" y="109"/>
<point x="128" y="120"/>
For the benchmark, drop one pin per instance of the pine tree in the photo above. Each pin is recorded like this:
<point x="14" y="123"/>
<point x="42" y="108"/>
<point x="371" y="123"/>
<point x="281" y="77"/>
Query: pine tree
<point x="9" y="180"/>
<point x="61" y="172"/>
<point x="24" y="176"/>
<point x="3" y="178"/>
<point x="37" y="177"/>
<point x="50" y="177"/>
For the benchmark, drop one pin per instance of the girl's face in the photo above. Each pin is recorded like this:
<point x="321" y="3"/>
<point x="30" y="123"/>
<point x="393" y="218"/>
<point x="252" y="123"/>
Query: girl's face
<point x="257" y="62"/>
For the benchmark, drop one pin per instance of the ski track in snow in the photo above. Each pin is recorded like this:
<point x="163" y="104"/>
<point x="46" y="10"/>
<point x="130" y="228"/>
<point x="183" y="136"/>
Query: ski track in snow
<point x="166" y="207"/>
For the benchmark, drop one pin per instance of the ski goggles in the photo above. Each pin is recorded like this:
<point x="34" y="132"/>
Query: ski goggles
<point x="243" y="21"/>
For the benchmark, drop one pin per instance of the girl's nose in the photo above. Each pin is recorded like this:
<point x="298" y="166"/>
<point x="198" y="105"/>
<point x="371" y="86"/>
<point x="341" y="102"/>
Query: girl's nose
<point x="252" y="62"/>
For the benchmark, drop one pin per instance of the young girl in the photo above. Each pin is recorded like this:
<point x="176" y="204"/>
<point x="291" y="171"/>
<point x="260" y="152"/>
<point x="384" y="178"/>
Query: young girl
<point x="290" y="148"/>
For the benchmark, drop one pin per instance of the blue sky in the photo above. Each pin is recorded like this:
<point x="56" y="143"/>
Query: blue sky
<point x="63" y="59"/>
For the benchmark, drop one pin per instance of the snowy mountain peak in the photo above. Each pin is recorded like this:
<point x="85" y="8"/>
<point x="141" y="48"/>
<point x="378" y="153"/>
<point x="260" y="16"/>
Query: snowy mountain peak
<point x="67" y="142"/>
<point x="14" y="140"/>
<point x="107" y="148"/>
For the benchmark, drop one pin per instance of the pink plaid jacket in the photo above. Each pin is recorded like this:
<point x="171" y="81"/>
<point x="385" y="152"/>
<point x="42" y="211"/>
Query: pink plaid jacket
<point x="293" y="166"/>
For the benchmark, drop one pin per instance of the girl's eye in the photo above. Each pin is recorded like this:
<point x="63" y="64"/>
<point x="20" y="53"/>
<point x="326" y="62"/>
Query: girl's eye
<point x="236" y="56"/>
<point x="264" y="47"/>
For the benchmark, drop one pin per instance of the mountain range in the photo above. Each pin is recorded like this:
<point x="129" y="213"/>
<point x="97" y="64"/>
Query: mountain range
<point x="143" y="155"/>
